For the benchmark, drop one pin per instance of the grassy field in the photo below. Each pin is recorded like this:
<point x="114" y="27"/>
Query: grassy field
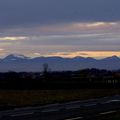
<point x="34" y="97"/>
<point x="117" y="117"/>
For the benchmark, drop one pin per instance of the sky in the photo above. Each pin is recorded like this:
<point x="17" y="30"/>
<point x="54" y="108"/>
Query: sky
<point x="66" y="28"/>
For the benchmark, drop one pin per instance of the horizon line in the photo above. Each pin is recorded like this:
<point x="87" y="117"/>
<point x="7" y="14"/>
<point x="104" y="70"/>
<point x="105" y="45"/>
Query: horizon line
<point x="50" y="56"/>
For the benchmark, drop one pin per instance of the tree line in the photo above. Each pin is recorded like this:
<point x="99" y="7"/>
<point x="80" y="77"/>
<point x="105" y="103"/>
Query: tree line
<point x="87" y="78"/>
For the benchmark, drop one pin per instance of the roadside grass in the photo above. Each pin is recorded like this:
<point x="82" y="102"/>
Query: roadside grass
<point x="40" y="97"/>
<point x="116" y="117"/>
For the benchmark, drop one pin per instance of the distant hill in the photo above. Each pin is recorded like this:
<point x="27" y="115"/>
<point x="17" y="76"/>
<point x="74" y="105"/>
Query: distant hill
<point x="22" y="63"/>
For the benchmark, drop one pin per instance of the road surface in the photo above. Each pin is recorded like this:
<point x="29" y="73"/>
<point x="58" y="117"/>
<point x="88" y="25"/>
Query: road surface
<point x="76" y="110"/>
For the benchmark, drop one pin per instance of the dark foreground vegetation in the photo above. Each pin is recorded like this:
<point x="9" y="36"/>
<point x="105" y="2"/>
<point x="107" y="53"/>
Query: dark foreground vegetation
<point x="23" y="98"/>
<point x="88" y="78"/>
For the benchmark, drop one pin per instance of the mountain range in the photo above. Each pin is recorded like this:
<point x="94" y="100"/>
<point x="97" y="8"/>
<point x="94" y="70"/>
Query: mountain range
<point x="21" y="63"/>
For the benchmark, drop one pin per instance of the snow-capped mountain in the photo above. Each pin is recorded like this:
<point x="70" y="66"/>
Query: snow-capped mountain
<point x="15" y="57"/>
<point x="22" y="63"/>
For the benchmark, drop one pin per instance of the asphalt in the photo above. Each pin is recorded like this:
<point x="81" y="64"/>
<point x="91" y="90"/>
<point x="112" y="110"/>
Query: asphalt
<point x="76" y="110"/>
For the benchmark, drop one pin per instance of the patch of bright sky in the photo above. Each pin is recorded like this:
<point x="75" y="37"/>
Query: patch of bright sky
<point x="96" y="39"/>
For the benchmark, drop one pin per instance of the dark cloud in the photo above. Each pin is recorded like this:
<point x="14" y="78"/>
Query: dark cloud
<point x="22" y="13"/>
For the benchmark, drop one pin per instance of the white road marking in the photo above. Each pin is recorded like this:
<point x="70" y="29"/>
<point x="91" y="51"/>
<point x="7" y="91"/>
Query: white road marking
<point x="21" y="114"/>
<point x="77" y="118"/>
<point x="109" y="112"/>
<point x="87" y="105"/>
<point x="110" y="101"/>
<point x="50" y="105"/>
<point x="73" y="107"/>
<point x="115" y="100"/>
<point x="50" y="110"/>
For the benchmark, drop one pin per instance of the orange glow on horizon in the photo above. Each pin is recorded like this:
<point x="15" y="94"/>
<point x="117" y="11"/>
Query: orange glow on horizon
<point x="94" y="54"/>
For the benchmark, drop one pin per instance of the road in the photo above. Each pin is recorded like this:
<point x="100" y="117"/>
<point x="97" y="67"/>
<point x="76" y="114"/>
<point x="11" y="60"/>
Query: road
<point x="76" y="110"/>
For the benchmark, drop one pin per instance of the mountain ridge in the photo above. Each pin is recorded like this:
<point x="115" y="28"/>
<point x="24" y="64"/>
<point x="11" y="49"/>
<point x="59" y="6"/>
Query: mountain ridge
<point x="21" y="63"/>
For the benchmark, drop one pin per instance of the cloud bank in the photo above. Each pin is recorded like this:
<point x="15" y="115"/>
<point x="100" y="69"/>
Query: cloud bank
<point x="49" y="27"/>
<point x="14" y="13"/>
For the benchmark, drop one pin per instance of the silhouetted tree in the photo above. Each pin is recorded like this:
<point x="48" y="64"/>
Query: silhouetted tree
<point x="45" y="71"/>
